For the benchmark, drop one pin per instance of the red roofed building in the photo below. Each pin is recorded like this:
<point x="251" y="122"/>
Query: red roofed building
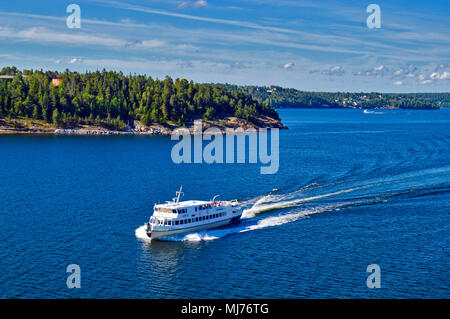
<point x="56" y="81"/>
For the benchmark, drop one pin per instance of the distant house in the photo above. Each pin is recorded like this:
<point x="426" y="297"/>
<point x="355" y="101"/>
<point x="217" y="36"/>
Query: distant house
<point x="10" y="77"/>
<point x="56" y="81"/>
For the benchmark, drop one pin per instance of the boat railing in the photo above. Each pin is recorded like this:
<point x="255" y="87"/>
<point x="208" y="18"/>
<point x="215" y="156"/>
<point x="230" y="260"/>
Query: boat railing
<point x="225" y="203"/>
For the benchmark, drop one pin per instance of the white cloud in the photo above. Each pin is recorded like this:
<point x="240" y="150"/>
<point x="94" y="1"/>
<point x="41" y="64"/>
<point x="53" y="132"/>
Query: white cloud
<point x="398" y="83"/>
<point x="74" y="60"/>
<point x="192" y="4"/>
<point x="289" y="66"/>
<point x="434" y="75"/>
<point x="381" y="70"/>
<point x="440" y="76"/>
<point x="44" y="35"/>
<point x="148" y="44"/>
<point x="444" y="76"/>
<point x="334" y="70"/>
<point x="426" y="82"/>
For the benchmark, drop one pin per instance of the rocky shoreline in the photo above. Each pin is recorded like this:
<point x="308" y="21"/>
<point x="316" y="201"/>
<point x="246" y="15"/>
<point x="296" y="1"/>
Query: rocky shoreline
<point x="152" y="130"/>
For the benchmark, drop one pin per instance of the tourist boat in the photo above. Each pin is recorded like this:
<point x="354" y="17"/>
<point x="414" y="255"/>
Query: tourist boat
<point x="177" y="217"/>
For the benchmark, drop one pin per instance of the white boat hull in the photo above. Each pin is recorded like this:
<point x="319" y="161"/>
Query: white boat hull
<point x="160" y="234"/>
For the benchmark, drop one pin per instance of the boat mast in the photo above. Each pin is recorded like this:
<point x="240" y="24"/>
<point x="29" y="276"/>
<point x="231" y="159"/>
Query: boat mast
<point x="177" y="199"/>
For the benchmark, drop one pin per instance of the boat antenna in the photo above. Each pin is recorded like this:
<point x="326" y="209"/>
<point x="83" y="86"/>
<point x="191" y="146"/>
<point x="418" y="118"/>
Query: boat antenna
<point x="179" y="193"/>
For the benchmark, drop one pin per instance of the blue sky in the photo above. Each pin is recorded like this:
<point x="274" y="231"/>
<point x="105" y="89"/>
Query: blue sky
<point x="308" y="45"/>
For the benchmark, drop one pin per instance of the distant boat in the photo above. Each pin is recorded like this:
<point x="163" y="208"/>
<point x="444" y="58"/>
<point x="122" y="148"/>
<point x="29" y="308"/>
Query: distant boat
<point x="366" y="111"/>
<point x="175" y="217"/>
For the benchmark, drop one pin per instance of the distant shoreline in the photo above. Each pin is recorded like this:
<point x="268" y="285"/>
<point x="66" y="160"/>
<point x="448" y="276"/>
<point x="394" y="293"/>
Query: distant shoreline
<point x="356" y="108"/>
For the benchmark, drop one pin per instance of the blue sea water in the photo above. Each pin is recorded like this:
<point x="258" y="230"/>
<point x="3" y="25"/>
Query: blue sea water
<point x="353" y="189"/>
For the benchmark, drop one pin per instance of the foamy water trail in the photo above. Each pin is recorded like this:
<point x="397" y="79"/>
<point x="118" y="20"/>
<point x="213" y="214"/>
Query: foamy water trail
<point x="291" y="217"/>
<point x="260" y="207"/>
<point x="271" y="221"/>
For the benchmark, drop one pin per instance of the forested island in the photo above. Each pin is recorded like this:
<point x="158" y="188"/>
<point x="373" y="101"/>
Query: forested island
<point x="49" y="101"/>
<point x="279" y="97"/>
<point x="114" y="101"/>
